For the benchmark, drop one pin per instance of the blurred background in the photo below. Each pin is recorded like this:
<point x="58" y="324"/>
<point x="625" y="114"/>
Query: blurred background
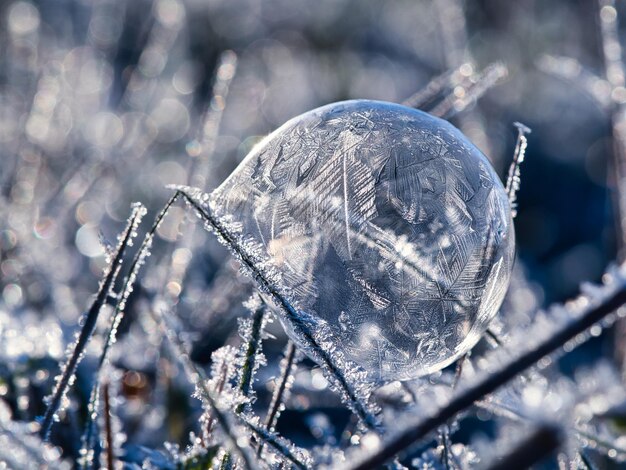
<point x="106" y="102"/>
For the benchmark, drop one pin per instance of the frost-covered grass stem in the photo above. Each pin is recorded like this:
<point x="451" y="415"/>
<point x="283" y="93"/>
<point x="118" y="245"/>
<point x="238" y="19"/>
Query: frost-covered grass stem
<point x="252" y="349"/>
<point x="90" y="321"/>
<point x="513" y="179"/>
<point x="290" y="313"/>
<point x="129" y="281"/>
<point x="110" y="458"/>
<point x="199" y="379"/>
<point x="280" y="391"/>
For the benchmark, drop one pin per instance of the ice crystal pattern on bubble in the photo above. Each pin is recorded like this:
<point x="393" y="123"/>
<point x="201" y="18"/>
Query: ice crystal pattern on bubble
<point x="387" y="225"/>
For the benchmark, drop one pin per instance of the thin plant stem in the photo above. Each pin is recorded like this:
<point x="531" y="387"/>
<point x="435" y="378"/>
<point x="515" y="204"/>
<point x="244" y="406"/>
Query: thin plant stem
<point x="430" y="92"/>
<point x="89" y="324"/>
<point x="129" y="281"/>
<point x="199" y="379"/>
<point x="280" y="391"/>
<point x="252" y="349"/>
<point x="453" y="105"/>
<point x="108" y="432"/>
<point x="513" y="179"/>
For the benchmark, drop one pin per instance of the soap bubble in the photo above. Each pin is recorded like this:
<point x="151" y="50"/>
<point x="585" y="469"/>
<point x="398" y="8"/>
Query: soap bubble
<point x="388" y="227"/>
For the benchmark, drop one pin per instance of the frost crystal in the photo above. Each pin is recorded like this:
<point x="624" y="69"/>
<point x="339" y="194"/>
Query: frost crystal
<point x="385" y="225"/>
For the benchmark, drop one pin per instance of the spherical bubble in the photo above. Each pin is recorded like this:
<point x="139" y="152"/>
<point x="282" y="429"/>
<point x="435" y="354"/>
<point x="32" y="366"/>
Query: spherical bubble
<point x="388" y="227"/>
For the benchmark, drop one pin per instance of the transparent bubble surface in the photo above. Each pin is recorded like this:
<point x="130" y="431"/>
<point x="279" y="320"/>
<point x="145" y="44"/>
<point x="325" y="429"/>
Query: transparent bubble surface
<point x="386" y="224"/>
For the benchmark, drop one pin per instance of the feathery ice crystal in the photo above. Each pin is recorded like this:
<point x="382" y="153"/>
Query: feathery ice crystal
<point x="388" y="228"/>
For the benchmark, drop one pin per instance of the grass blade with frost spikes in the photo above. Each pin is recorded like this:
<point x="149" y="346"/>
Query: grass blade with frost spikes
<point x="291" y="314"/>
<point x="129" y="281"/>
<point x="275" y="442"/>
<point x="594" y="311"/>
<point x="280" y="391"/>
<point x="539" y="445"/>
<point x="198" y="378"/>
<point x="251" y="352"/>
<point x="252" y="331"/>
<point x="199" y="461"/>
<point x="513" y="180"/>
<point x="287" y="366"/>
<point x="90" y="320"/>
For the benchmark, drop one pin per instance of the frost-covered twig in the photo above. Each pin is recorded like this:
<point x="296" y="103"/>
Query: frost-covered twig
<point x="513" y="179"/>
<point x="582" y="315"/>
<point x="542" y="442"/>
<point x="76" y="351"/>
<point x="290" y="313"/>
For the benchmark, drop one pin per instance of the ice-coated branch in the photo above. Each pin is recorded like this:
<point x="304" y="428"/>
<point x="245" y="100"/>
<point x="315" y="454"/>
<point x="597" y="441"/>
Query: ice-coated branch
<point x="581" y="315"/>
<point x="513" y="180"/>
<point x="541" y="443"/>
<point x="290" y="313"/>
<point x="90" y="319"/>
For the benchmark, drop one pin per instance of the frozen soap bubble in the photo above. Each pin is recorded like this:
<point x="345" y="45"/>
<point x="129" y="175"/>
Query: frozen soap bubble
<point x="388" y="228"/>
